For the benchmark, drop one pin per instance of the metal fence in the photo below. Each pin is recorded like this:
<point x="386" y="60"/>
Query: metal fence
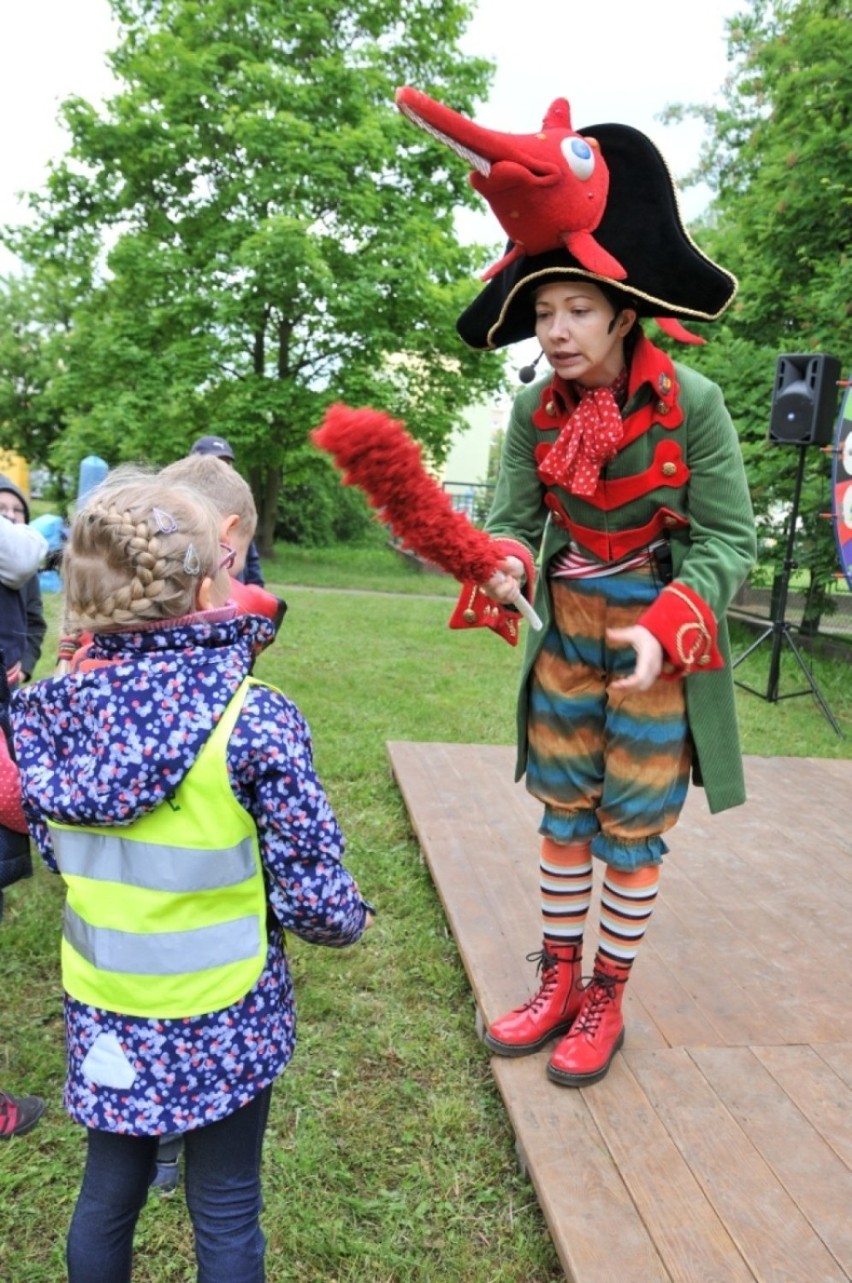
<point x="473" y="498"/>
<point x="759" y="605"/>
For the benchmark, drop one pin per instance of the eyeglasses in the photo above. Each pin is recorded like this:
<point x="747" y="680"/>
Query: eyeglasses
<point x="229" y="558"/>
<point x="13" y="510"/>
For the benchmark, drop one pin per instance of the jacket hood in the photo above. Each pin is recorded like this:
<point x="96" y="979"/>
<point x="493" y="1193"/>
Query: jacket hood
<point x="103" y="746"/>
<point x="6" y="483"/>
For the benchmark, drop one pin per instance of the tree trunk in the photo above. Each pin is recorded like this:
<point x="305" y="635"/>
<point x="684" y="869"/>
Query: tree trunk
<point x="267" y="484"/>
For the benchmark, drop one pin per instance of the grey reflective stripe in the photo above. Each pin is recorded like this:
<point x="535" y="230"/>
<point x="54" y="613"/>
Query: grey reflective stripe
<point x="167" y="953"/>
<point x="109" y="857"/>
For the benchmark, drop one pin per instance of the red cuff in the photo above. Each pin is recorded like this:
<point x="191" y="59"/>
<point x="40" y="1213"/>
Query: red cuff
<point x="512" y="548"/>
<point x="475" y="609"/>
<point x="685" y="627"/>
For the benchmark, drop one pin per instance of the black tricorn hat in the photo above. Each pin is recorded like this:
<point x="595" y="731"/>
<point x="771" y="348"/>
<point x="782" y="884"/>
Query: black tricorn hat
<point x="667" y="274"/>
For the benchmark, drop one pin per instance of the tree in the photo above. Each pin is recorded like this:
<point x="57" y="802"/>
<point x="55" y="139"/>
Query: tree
<point x="779" y="155"/>
<point x="34" y="324"/>
<point x="254" y="231"/>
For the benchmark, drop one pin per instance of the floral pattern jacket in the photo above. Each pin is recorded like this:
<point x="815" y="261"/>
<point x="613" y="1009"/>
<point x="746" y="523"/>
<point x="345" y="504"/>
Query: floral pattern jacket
<point x="103" y="746"/>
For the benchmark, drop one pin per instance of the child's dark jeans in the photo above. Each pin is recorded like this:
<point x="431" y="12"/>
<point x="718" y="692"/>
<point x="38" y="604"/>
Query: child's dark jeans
<point x="222" y="1194"/>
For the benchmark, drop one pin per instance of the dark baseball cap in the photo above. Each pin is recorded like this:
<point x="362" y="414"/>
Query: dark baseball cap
<point x="217" y="446"/>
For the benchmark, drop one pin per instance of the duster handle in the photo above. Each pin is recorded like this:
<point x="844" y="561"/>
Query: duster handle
<point x="528" y="612"/>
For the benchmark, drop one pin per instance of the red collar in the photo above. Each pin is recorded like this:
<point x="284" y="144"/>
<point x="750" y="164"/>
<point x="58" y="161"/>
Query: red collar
<point x="649" y="366"/>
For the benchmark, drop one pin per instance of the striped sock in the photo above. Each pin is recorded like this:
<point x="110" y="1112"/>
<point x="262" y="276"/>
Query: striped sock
<point x="565" y="873"/>
<point x="627" y="902"/>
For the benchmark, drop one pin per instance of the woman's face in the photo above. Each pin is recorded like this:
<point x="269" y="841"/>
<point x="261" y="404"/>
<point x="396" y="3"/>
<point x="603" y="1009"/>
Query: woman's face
<point x="581" y="336"/>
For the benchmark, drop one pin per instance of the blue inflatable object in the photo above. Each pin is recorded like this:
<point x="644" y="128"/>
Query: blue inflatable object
<point x="93" y="469"/>
<point x="53" y="529"/>
<point x="50" y="581"/>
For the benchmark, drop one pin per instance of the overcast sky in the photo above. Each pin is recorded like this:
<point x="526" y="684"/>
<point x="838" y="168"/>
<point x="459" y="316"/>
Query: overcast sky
<point x="614" y="60"/>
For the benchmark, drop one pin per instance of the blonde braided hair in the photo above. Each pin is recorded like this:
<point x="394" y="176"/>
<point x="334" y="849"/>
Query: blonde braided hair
<point x="138" y="551"/>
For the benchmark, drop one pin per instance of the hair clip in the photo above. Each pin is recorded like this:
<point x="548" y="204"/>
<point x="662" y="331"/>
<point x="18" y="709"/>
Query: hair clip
<point x="191" y="562"/>
<point x="164" y="521"/>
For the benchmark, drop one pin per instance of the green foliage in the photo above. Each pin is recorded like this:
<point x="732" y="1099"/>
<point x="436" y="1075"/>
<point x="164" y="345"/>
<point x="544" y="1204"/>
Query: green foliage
<point x="779" y="154"/>
<point x="30" y="351"/>
<point x="317" y="511"/>
<point x="249" y="229"/>
<point x="783" y="146"/>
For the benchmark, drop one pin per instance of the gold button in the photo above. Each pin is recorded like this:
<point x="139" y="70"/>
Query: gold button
<point x="669" y="469"/>
<point x="469" y="616"/>
<point x="550" y="408"/>
<point x="704" y="659"/>
<point x="662" y="408"/>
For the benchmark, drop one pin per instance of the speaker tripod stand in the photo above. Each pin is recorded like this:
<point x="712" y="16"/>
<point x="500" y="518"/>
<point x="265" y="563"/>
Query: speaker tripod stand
<point x="779" y="630"/>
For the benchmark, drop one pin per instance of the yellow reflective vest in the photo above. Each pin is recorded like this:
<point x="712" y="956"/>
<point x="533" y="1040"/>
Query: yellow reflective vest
<point x="166" y="917"/>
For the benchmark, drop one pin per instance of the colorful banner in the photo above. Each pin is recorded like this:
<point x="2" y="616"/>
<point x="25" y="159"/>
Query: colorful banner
<point x="841" y="492"/>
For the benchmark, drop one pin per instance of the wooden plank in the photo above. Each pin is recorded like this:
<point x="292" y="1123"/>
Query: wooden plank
<point x="702" y="950"/>
<point x="766" y="1106"/>
<point x="789" y="943"/>
<point x="839" y="1056"/>
<point x="773" y="1236"/>
<point x="714" y="1150"/>
<point x="597" y="1231"/>
<point x="673" y="1003"/>
<point x="819" y="1088"/>
<point x="687" y="1231"/>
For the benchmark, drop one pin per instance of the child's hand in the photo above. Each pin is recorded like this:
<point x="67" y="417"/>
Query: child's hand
<point x="649" y="657"/>
<point x="371" y="914"/>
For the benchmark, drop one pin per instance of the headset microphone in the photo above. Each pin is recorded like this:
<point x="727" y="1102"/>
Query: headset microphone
<point x="527" y="372"/>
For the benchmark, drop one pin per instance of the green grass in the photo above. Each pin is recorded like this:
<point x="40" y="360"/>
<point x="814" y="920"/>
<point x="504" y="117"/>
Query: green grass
<point x="371" y="569"/>
<point x="389" y="1158"/>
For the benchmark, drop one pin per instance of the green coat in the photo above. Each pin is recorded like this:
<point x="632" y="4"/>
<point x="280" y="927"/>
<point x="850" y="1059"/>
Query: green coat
<point x="707" y="516"/>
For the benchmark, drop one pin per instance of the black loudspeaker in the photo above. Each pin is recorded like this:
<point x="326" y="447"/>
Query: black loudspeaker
<point x="804" y="399"/>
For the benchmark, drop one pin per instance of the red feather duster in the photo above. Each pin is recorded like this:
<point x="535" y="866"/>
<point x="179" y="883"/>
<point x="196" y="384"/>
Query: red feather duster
<point x="376" y="454"/>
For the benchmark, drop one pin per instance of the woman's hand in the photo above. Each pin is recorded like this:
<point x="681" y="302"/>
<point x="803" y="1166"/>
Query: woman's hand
<point x="506" y="582"/>
<point x="649" y="657"/>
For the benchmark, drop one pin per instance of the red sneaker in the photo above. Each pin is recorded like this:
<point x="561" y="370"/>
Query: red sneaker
<point x="19" y="1114"/>
<point x="585" y="1053"/>
<point x="550" y="1013"/>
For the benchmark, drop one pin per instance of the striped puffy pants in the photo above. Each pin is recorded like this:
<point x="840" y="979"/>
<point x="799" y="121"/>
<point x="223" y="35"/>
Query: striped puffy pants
<point x="612" y="766"/>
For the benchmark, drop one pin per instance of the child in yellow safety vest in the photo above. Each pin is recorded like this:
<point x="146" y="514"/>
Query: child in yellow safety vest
<point x="177" y="797"/>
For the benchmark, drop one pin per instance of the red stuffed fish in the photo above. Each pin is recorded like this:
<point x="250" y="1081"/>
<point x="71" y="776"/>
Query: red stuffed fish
<point x="376" y="454"/>
<point x="546" y="189"/>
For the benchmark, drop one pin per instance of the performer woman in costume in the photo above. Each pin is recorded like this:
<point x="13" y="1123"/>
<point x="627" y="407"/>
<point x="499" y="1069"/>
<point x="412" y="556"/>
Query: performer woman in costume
<point x="622" y="511"/>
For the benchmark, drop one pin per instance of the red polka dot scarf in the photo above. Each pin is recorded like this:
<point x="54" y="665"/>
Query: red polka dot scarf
<point x="589" y="439"/>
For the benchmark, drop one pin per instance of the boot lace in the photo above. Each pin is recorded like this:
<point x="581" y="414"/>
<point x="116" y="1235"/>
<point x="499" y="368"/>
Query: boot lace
<point x="602" y="987"/>
<point x="546" y="967"/>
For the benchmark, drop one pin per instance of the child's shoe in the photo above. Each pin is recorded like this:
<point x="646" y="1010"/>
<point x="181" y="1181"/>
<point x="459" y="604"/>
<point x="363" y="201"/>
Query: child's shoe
<point x="166" y="1177"/>
<point x="19" y="1114"/>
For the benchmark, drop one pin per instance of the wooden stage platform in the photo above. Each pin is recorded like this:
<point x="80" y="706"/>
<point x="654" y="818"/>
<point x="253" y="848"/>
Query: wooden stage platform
<point x="719" y="1147"/>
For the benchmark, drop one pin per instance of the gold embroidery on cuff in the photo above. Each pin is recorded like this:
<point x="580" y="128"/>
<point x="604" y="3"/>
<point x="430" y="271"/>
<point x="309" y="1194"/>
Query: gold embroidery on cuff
<point x="693" y="651"/>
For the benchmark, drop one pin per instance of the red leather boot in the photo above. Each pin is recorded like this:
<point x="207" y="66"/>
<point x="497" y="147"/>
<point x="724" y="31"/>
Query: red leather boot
<point x="585" y="1053"/>
<point x="550" y="1013"/>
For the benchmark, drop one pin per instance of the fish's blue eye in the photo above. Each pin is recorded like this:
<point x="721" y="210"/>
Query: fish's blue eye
<point x="580" y="156"/>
